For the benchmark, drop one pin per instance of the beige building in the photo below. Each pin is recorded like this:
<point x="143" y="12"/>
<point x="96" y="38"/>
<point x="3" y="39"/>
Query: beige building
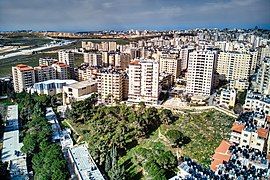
<point x="170" y="65"/>
<point x="227" y="98"/>
<point x="239" y="85"/>
<point x="93" y="59"/>
<point x="61" y="70"/>
<point x="23" y="77"/>
<point x="257" y="102"/>
<point x="234" y="65"/>
<point x="78" y="91"/>
<point x="89" y="45"/>
<point x="143" y="81"/>
<point x="112" y="85"/>
<point x="44" y="73"/>
<point x="122" y="60"/>
<point x="200" y="72"/>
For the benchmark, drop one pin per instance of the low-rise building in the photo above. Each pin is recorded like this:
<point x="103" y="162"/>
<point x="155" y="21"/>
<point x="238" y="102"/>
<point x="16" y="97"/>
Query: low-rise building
<point x="11" y="151"/>
<point x="51" y="87"/>
<point x="250" y="130"/>
<point x="227" y="98"/>
<point x="83" y="164"/>
<point x="257" y="102"/>
<point x="78" y="91"/>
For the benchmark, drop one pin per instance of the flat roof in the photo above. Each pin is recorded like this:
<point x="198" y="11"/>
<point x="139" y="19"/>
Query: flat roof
<point x="11" y="151"/>
<point x="82" y="84"/>
<point x="12" y="118"/>
<point x="84" y="163"/>
<point x="67" y="81"/>
<point x="10" y="145"/>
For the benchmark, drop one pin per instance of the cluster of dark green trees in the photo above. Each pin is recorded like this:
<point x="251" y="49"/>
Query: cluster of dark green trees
<point x="156" y="161"/>
<point x="120" y="126"/>
<point x="45" y="157"/>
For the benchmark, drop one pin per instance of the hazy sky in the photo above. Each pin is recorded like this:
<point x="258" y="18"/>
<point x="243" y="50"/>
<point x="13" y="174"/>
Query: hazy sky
<point x="85" y="15"/>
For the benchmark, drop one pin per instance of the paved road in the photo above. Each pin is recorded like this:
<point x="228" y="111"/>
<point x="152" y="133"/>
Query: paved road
<point x="30" y="51"/>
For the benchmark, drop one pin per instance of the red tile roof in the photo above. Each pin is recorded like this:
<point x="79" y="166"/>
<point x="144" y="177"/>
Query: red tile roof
<point x="23" y="67"/>
<point x="223" y="147"/>
<point x="134" y="62"/>
<point x="263" y="133"/>
<point x="222" y="154"/>
<point x="238" y="127"/>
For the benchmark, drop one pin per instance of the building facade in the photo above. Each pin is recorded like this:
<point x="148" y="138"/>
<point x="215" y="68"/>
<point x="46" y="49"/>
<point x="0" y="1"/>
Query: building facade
<point x="143" y="81"/>
<point x="23" y="77"/>
<point x="200" y="72"/>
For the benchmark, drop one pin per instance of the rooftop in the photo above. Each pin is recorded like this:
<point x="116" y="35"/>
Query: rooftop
<point x="23" y="67"/>
<point x="84" y="163"/>
<point x="82" y="84"/>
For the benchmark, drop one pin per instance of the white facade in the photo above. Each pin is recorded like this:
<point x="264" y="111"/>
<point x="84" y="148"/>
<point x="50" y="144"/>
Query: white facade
<point x="50" y="87"/>
<point x="227" y="97"/>
<point x="66" y="57"/>
<point x="200" y="72"/>
<point x="94" y="59"/>
<point x="257" y="102"/>
<point x="143" y="81"/>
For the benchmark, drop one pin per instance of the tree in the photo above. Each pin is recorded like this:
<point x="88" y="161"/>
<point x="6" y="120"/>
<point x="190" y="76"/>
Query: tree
<point x="177" y="138"/>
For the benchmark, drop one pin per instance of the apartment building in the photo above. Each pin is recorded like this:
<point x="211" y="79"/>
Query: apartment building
<point x="44" y="73"/>
<point x="112" y="85"/>
<point x="93" y="59"/>
<point x="184" y="55"/>
<point x="47" y="61"/>
<point x="249" y="130"/>
<point x="78" y="91"/>
<point x="257" y="102"/>
<point x="234" y="65"/>
<point x="88" y="45"/>
<point x="170" y="65"/>
<point x="263" y="78"/>
<point x="122" y="60"/>
<point x="227" y="98"/>
<point x="200" y="72"/>
<point x="143" y="81"/>
<point x="239" y="84"/>
<point x="23" y="77"/>
<point x="66" y="57"/>
<point x="61" y="70"/>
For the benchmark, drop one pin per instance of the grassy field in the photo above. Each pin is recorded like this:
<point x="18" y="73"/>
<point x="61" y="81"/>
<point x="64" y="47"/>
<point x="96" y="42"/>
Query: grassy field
<point x="206" y="131"/>
<point x="31" y="60"/>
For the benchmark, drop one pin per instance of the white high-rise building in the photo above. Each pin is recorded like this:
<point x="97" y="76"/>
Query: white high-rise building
<point x="143" y="81"/>
<point x="200" y="72"/>
<point x="66" y="57"/>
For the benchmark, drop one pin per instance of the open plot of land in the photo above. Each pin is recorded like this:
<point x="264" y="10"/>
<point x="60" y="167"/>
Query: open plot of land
<point x="205" y="130"/>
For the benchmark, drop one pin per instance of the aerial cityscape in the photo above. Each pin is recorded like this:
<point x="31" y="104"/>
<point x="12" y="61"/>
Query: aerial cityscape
<point x="130" y="90"/>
